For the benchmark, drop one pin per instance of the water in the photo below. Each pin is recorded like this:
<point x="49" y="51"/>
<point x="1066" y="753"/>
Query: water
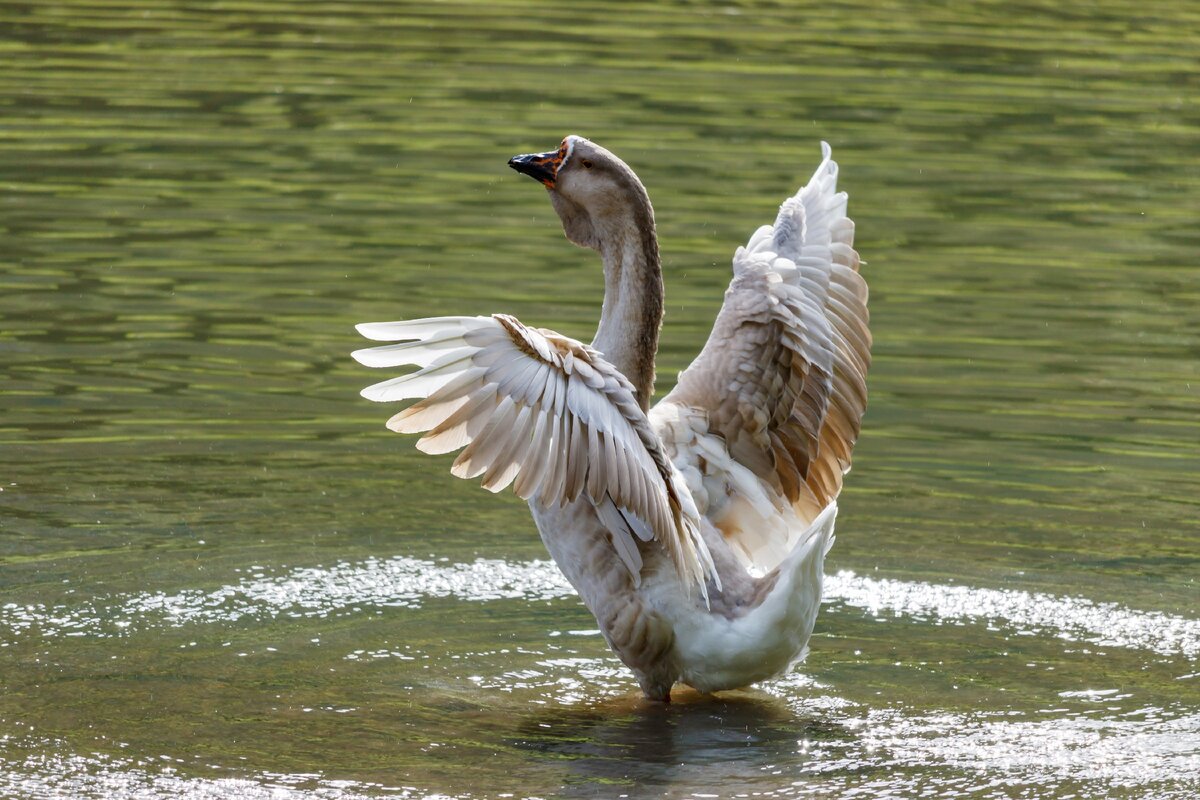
<point x="221" y="576"/>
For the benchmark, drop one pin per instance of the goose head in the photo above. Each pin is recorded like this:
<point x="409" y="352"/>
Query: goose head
<point x="596" y="195"/>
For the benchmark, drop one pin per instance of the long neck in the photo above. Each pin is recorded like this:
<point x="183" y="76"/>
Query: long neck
<point x="633" y="298"/>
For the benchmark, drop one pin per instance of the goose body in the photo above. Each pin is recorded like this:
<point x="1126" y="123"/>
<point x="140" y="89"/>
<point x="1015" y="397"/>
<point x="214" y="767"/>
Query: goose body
<point x="695" y="531"/>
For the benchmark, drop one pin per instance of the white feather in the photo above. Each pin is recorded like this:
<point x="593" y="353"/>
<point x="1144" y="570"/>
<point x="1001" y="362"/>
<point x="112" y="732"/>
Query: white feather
<point x="418" y="328"/>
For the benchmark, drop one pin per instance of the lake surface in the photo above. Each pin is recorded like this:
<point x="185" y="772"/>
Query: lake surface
<point x="220" y="575"/>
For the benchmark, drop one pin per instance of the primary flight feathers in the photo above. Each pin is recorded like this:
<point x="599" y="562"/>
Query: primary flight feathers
<point x="544" y="413"/>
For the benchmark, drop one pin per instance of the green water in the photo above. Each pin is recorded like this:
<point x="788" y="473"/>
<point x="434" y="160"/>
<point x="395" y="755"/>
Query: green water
<point x="219" y="574"/>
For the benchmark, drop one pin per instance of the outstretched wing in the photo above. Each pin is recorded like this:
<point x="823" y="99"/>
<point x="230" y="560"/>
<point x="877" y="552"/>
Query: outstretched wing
<point x="763" y="422"/>
<point x="544" y="413"/>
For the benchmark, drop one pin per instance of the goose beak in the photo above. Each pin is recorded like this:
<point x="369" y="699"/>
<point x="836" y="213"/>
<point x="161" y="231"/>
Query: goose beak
<point x="541" y="167"/>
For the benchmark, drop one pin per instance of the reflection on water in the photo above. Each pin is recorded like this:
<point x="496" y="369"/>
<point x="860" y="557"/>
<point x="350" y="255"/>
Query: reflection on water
<point x="794" y="740"/>
<point x="219" y="575"/>
<point x="629" y="746"/>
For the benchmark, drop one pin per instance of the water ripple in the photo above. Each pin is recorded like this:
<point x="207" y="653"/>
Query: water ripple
<point x="82" y="777"/>
<point x="1118" y="752"/>
<point x="992" y="753"/>
<point x="406" y="582"/>
<point x="1068" y="618"/>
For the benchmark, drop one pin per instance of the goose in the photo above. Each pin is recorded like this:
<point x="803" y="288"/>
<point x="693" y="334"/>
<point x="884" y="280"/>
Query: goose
<point x="696" y="530"/>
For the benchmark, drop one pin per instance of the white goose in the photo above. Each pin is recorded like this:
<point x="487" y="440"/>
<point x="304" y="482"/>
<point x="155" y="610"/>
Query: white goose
<point x="696" y="531"/>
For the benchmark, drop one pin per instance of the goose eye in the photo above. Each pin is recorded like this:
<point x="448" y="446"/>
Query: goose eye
<point x="586" y="164"/>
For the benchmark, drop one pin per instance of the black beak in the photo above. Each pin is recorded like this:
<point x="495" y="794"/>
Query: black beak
<point x="539" y="166"/>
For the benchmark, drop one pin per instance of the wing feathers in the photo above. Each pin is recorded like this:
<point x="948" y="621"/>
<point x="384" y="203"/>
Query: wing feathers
<point x="512" y="443"/>
<point x="533" y="468"/>
<point x="425" y="415"/>
<point x="482" y="454"/>
<point x="418" y="328"/>
<point x="417" y="384"/>
<point x="768" y="413"/>
<point x="462" y="426"/>
<point x="622" y="537"/>
<point x="421" y="353"/>
<point x="545" y="414"/>
<point x="577" y="467"/>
